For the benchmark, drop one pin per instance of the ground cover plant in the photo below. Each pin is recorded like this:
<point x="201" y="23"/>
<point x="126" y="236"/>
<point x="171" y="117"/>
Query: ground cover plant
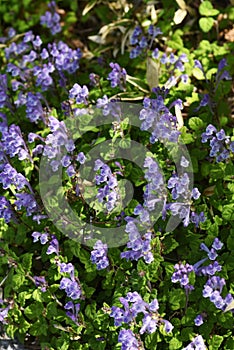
<point x="116" y="174"/>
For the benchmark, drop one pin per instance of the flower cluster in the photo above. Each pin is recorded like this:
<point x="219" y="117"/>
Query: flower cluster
<point x="73" y="314"/>
<point x="154" y="195"/>
<point x="174" y="65"/>
<point x="108" y="107"/>
<point x="155" y="192"/>
<point x="141" y="42"/>
<point x="70" y="285"/>
<point x="157" y="118"/>
<point x="79" y="93"/>
<point x="99" y="255"/>
<point x="34" y="109"/>
<point x="212" y="268"/>
<point x="110" y="192"/>
<point x="28" y="201"/>
<point x="12" y="142"/>
<point x="51" y="19"/>
<point x="181" y="275"/>
<point x="134" y="305"/>
<point x="6" y="210"/>
<point x="222" y="74"/>
<point x="128" y="340"/>
<point x="44" y="238"/>
<point x="54" y="142"/>
<point x="117" y="76"/>
<point x="213" y="287"/>
<point x="9" y="176"/>
<point x="45" y="65"/>
<point x="179" y="186"/>
<point x="220" y="143"/>
<point x="139" y="245"/>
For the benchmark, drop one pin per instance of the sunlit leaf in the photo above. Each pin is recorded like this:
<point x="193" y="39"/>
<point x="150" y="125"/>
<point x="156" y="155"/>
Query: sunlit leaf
<point x="89" y="7"/>
<point x="152" y="73"/>
<point x="230" y="306"/>
<point x="179" y="16"/>
<point x="206" y="23"/>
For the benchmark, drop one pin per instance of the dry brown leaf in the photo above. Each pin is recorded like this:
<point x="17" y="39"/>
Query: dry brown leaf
<point x="229" y="35"/>
<point x="209" y="191"/>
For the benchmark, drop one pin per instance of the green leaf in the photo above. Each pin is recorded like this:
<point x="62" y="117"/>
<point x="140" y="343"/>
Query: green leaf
<point x="228" y="212"/>
<point x="17" y="281"/>
<point x="230" y="243"/>
<point x="206" y="23"/>
<point x="37" y="295"/>
<point x="176" y="41"/>
<point x="90" y="311"/>
<point x="186" y="137"/>
<point x="23" y="296"/>
<point x="125" y="143"/>
<point x="27" y="261"/>
<point x="177" y="299"/>
<point x="152" y="73"/>
<point x="175" y="344"/>
<point x="24" y="326"/>
<point x="40" y="327"/>
<point x="215" y="342"/>
<point x="34" y="310"/>
<point x="206" y="9"/>
<point x="152" y="273"/>
<point x="137" y="176"/>
<point x="196" y="123"/>
<point x="169" y="244"/>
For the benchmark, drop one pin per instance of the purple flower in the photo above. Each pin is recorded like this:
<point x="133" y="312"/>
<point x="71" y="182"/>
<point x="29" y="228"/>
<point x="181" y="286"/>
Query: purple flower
<point x="117" y="76"/>
<point x="128" y="340"/>
<point x="109" y="194"/>
<point x="40" y="281"/>
<point x="197" y="344"/>
<point x="198" y="320"/>
<point x="133" y="306"/>
<point x="79" y="93"/>
<point x="51" y="19"/>
<point x="4" y="314"/>
<point x="54" y="246"/>
<point x="197" y="64"/>
<point x="168" y="327"/>
<point x="217" y="244"/>
<point x="197" y="218"/>
<point x="99" y="255"/>
<point x="28" y="201"/>
<point x="71" y="287"/>
<point x="73" y="314"/>
<point x="181" y="275"/>
<point x="81" y="158"/>
<point x="149" y="324"/>
<point x="6" y="210"/>
<point x="135" y="35"/>
<point x="67" y="268"/>
<point x="34" y="109"/>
